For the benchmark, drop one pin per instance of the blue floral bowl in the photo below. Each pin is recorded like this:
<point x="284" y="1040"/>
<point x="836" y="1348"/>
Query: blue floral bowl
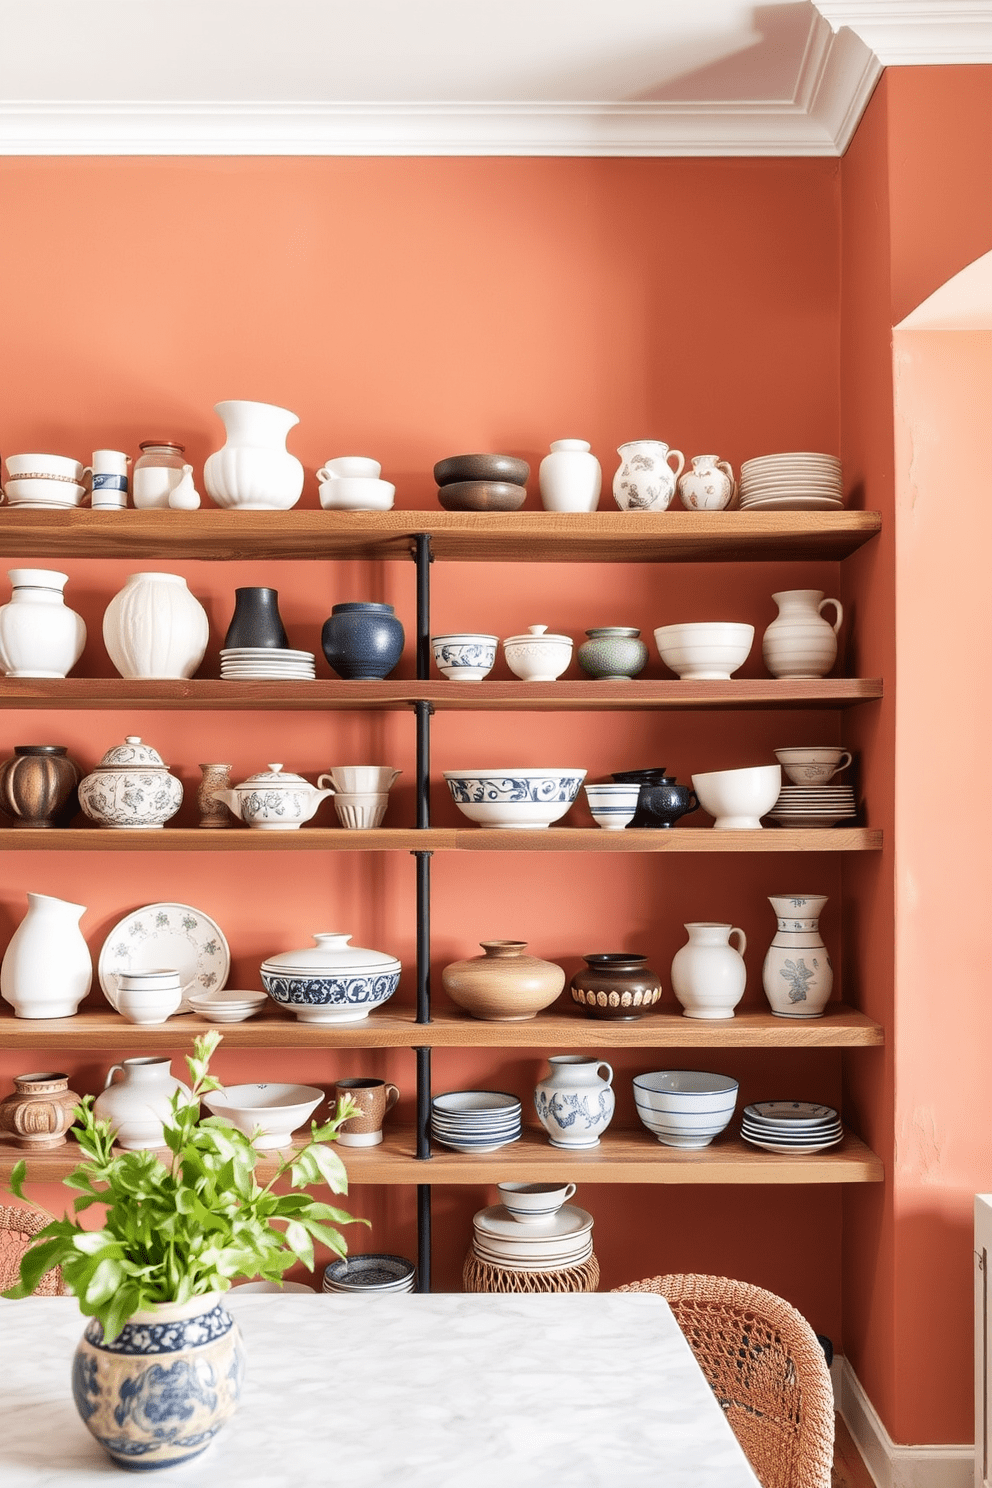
<point x="464" y="657"/>
<point x="333" y="982"/>
<point x="522" y="800"/>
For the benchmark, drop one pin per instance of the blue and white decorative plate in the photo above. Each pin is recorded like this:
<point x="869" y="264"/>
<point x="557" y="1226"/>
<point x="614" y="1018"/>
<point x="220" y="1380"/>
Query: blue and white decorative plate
<point x="166" y="935"/>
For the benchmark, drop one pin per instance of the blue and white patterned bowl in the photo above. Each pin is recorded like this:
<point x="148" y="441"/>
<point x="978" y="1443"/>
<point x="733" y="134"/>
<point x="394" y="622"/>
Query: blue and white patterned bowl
<point x="464" y="657"/>
<point x="685" y="1108"/>
<point x="333" y="982"/>
<point x="524" y="800"/>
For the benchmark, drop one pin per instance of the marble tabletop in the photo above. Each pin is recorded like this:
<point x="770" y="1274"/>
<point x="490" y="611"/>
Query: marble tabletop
<point x="441" y="1391"/>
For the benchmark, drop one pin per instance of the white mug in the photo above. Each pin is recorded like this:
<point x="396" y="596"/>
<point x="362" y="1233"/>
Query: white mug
<point x="350" y="466"/>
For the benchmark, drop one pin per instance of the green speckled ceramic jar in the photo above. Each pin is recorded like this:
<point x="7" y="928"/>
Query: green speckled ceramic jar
<point x="613" y="653"/>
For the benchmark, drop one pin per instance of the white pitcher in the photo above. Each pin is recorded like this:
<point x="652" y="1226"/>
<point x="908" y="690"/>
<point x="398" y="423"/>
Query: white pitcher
<point x="575" y="1102"/>
<point x="254" y="469"/>
<point x="140" y="1102"/>
<point x="797" y="975"/>
<point x="708" y="973"/>
<point x="800" y="643"/>
<point x="708" y="486"/>
<point x="646" y="478"/>
<point x="46" y="970"/>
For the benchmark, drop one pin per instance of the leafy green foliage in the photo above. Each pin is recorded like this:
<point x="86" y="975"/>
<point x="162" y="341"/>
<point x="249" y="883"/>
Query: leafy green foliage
<point x="174" y="1231"/>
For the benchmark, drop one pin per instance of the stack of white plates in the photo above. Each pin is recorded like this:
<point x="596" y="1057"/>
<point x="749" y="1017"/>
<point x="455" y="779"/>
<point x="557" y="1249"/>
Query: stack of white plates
<point x="267" y="664"/>
<point x="798" y="1128"/>
<point x="370" y="1273"/>
<point x="792" y="482"/>
<point x="813" y="805"/>
<point x="227" y="1004"/>
<point x="475" y="1120"/>
<point x="501" y="1241"/>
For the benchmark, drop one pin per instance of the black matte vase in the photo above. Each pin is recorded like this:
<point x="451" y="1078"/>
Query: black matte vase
<point x="256" y="621"/>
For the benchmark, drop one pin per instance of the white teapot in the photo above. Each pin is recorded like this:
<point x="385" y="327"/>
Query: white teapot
<point x="273" y="800"/>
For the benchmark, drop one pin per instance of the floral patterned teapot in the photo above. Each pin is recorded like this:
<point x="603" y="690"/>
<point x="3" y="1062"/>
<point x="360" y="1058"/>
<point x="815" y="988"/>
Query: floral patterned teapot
<point x="273" y="800"/>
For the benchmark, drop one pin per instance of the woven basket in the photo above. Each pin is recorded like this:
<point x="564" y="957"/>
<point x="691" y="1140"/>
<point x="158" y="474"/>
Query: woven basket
<point x="482" y="1276"/>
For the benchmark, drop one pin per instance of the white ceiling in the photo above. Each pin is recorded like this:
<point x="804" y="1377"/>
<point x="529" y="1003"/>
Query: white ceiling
<point x="588" y="77"/>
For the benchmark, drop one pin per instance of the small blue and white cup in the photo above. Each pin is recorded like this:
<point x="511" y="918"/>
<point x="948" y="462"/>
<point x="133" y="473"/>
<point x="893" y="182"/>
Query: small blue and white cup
<point x="465" y="656"/>
<point x="110" y="479"/>
<point x="613" y="807"/>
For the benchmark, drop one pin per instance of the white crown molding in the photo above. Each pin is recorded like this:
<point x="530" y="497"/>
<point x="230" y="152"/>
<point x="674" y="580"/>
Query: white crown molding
<point x="917" y="33"/>
<point x="891" y="1464"/>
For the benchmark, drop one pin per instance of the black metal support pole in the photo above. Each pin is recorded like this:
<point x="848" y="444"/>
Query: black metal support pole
<point x="423" y="1237"/>
<point x="423" y="936"/>
<point x="423" y="1153"/>
<point x="424" y="712"/>
<point x="423" y="557"/>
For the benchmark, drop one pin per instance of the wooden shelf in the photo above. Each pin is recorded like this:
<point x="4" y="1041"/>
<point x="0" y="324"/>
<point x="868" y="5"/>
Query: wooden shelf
<point x="530" y="537"/>
<point x="840" y="1027"/>
<point x="210" y="694"/>
<point x="621" y="1157"/>
<point x="440" y="839"/>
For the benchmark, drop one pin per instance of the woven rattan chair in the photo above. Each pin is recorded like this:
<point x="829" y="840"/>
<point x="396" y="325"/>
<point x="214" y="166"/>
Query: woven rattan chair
<point x="18" y="1228"/>
<point x="767" y="1370"/>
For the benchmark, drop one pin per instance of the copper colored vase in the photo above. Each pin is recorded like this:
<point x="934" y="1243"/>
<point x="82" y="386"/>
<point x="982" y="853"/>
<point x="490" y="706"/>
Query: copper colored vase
<point x="504" y="985"/>
<point x="616" y="984"/>
<point x="39" y="1113"/>
<point x="38" y="784"/>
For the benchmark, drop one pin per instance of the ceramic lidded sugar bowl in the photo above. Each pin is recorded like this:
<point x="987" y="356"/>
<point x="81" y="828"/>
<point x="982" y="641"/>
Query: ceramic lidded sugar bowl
<point x="131" y="787"/>
<point x="331" y="981"/>
<point x="274" y="800"/>
<point x="538" y="656"/>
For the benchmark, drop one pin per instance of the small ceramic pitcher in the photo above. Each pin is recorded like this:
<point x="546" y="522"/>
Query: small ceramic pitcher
<point x="708" y="973"/>
<point x="646" y="478"/>
<point x="575" y="1102"/>
<point x="708" y="486"/>
<point x="800" y="643"/>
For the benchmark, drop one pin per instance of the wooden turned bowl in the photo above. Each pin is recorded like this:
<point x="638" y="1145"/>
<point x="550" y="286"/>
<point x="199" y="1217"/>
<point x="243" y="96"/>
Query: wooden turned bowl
<point x="459" y="468"/>
<point x="482" y="495"/>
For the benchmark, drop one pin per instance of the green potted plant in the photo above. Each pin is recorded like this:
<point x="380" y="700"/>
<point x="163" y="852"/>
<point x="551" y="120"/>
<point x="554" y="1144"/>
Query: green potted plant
<point x="160" y="1365"/>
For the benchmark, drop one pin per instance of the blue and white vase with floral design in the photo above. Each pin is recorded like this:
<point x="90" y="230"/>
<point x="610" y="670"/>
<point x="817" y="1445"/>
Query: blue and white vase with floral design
<point x="575" y="1102"/>
<point x="797" y="975"/>
<point x="158" y="1395"/>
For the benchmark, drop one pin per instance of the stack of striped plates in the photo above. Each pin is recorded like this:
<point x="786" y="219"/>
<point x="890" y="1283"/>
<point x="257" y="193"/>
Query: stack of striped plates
<point x="501" y="1241"/>
<point x="267" y="664"/>
<point x="797" y="1128"/>
<point x="370" y="1273"/>
<point x="475" y="1120"/>
<point x="813" y="805"/>
<point x="792" y="482"/>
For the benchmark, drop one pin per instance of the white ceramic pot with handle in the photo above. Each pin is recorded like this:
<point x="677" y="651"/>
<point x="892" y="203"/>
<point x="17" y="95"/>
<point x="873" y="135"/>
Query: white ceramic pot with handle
<point x="646" y="478"/>
<point x="800" y="642"/>
<point x="708" y="973"/>
<point x="575" y="1103"/>
<point x="139" y="1103"/>
<point x="273" y="800"/>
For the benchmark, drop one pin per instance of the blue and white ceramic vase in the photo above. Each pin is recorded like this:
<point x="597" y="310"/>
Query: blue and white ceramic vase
<point x="575" y="1102"/>
<point x="797" y="975"/>
<point x="256" y="620"/>
<point x="613" y="653"/>
<point x="158" y="1395"/>
<point x="362" y="642"/>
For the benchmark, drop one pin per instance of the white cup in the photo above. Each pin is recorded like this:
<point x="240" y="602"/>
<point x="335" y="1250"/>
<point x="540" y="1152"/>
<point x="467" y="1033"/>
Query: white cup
<point x="361" y="811"/>
<point x="350" y="466"/>
<point x="110" y="479"/>
<point x="110" y="462"/>
<point x="148" y="997"/>
<point x="359" y="779"/>
<point x="535" y="1204"/>
<point x="813" y="765"/>
<point x="54" y="467"/>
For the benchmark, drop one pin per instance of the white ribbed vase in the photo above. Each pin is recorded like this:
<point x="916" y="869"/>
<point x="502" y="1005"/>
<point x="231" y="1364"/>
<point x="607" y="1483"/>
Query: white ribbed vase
<point x="39" y="635"/>
<point x="155" y="628"/>
<point x="254" y="469"/>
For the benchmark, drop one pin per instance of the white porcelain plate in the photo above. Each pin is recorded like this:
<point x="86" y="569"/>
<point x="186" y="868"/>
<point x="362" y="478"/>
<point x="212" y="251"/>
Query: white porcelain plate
<point x="498" y="1221"/>
<point x="793" y="1151"/>
<point x="166" y="935"/>
<point x="796" y="1113"/>
<point x="795" y="503"/>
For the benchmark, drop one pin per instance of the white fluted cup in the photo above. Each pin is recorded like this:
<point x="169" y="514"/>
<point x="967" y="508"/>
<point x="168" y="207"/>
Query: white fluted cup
<point x="738" y="799"/>
<point x="361" y="812"/>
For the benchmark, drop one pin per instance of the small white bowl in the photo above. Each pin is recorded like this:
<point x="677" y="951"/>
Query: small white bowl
<point x="61" y="466"/>
<point x="707" y="650"/>
<point x="685" y="1108"/>
<point x="537" y="656"/>
<point x="25" y="490"/>
<point x="228" y="1004"/>
<point x="275" y="1110"/>
<point x="356" y="493"/>
<point x="523" y="800"/>
<point x="464" y="656"/>
<point x="613" y="807"/>
<point x="738" y="799"/>
<point x="148" y="1005"/>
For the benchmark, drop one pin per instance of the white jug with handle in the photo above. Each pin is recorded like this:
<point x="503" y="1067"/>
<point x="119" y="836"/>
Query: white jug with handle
<point x="646" y="478"/>
<point x="800" y="642"/>
<point x="708" y="973"/>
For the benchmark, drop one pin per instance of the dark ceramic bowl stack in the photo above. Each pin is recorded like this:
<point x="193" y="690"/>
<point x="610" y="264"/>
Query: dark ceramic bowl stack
<point x="483" y="483"/>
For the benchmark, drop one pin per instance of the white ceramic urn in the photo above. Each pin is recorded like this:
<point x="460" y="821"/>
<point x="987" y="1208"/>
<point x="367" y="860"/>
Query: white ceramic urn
<point x="131" y="788"/>
<point x="39" y="635"/>
<point x="646" y="478"/>
<point x="155" y="628"/>
<point x="708" y="973"/>
<point x="254" y="469"/>
<point x="575" y="1102"/>
<point x="46" y="970"/>
<point x="571" y="477"/>
<point x="800" y="642"/>
<point x="140" y="1102"/>
<point x="797" y="975"/>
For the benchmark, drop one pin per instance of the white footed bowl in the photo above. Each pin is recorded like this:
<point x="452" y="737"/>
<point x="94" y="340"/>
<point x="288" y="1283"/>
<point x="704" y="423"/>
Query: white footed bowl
<point x="525" y="800"/>
<point x="276" y="1109"/>
<point x="738" y="799"/>
<point x="710" y="649"/>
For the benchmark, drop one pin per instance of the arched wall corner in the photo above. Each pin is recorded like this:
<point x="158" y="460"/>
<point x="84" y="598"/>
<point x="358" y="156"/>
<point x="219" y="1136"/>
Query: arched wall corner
<point x="962" y="303"/>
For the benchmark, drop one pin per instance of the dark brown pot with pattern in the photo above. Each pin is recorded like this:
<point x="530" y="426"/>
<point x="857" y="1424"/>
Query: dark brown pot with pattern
<point x="38" y="784"/>
<point x="39" y="1113"/>
<point x="616" y="984"/>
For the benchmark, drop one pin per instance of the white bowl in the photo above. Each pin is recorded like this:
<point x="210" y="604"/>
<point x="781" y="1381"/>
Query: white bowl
<point x="356" y="493"/>
<point x="361" y="812"/>
<point x="537" y="656"/>
<point x="148" y="1005"/>
<point x="464" y="656"/>
<point x="685" y="1108"/>
<point x="25" y="491"/>
<point x="711" y="649"/>
<point x="613" y="807"/>
<point x="276" y="1110"/>
<point x="738" y="799"/>
<point x="523" y="800"/>
<point x="61" y="466"/>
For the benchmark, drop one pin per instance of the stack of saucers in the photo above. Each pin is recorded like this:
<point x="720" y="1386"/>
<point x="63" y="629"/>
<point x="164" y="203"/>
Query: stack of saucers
<point x="792" y="482"/>
<point x="501" y="1241"/>
<point x="267" y="664"/>
<point x="370" y="1273"/>
<point x="475" y="1120"/>
<point x="813" y="805"/>
<point x="796" y="1128"/>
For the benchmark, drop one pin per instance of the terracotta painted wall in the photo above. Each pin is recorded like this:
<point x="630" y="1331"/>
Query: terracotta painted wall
<point x="411" y="309"/>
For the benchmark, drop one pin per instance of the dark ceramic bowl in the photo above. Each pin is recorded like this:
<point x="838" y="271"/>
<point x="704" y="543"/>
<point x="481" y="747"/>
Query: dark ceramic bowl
<point x="482" y="495"/>
<point x="642" y="777"/>
<point x="481" y="468"/>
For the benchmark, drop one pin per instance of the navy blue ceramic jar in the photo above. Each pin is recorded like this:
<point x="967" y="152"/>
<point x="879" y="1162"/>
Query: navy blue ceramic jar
<point x="361" y="641"/>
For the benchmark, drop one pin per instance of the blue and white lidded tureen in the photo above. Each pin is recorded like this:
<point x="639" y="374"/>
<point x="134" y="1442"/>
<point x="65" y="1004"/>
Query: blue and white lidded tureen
<point x="332" y="981"/>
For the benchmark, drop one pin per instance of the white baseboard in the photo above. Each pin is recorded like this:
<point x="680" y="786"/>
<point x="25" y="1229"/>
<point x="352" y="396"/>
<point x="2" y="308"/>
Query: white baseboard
<point x="892" y="1465"/>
